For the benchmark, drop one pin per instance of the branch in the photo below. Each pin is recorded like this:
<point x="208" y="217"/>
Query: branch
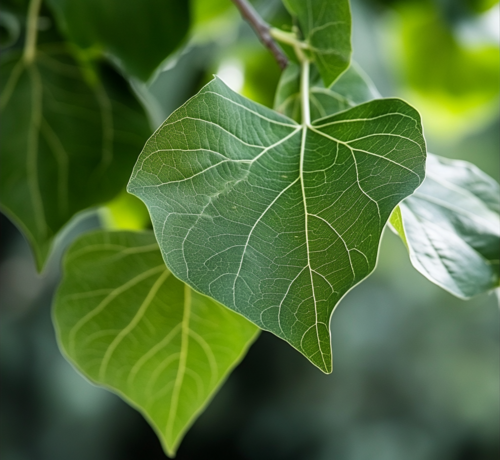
<point x="262" y="29"/>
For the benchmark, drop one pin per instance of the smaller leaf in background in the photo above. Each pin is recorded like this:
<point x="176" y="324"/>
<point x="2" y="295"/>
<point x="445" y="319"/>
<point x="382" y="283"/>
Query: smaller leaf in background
<point x="352" y="88"/>
<point x="451" y="227"/>
<point x="326" y="26"/>
<point x="139" y="34"/>
<point x="129" y="325"/>
<point x="67" y="143"/>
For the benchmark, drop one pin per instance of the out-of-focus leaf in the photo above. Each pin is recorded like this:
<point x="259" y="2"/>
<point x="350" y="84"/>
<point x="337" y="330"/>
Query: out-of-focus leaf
<point x="67" y="144"/>
<point x="10" y="29"/>
<point x="451" y="227"/>
<point x="139" y="34"/>
<point x="326" y="26"/>
<point x="129" y="325"/>
<point x="204" y="11"/>
<point x="352" y="88"/>
<point x="273" y="219"/>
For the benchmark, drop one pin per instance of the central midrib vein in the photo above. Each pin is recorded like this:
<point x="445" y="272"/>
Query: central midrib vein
<point x="306" y="121"/>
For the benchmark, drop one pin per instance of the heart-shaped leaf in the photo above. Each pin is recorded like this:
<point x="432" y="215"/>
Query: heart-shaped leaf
<point x="451" y="227"/>
<point x="67" y="144"/>
<point x="139" y="34"/>
<point x="326" y="26"/>
<point x="127" y="324"/>
<point x="276" y="220"/>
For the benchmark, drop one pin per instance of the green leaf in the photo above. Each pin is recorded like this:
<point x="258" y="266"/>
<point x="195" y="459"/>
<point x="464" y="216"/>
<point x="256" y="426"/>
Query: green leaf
<point x="451" y="227"/>
<point x="326" y="26"/>
<point x="352" y="88"/>
<point x="127" y="324"/>
<point x="67" y="144"/>
<point x="139" y="34"/>
<point x="276" y="220"/>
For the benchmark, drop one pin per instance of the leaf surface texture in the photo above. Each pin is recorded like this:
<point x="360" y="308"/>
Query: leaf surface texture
<point x="276" y="220"/>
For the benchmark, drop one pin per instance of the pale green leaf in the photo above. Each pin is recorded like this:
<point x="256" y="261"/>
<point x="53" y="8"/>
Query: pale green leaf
<point x="276" y="220"/>
<point x="67" y="144"/>
<point x="326" y="26"/>
<point x="352" y="88"/>
<point x="139" y="34"/>
<point x="451" y="227"/>
<point x="129" y="325"/>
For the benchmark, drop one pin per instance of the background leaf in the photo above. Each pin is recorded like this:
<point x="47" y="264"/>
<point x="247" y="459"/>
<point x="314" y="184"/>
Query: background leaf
<point x="326" y="26"/>
<point x="451" y="227"/>
<point x="353" y="87"/>
<point x="126" y="323"/>
<point x="275" y="220"/>
<point x="139" y="34"/>
<point x="67" y="142"/>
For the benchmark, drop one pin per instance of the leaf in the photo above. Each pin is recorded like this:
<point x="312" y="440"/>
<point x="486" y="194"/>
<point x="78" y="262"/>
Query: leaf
<point x="140" y="34"/>
<point x="67" y="144"/>
<point x="127" y="324"/>
<point x="451" y="227"/>
<point x="276" y="220"/>
<point x="326" y="26"/>
<point x="352" y="88"/>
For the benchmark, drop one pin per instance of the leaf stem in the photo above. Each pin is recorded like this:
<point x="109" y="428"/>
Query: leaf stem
<point x="31" y="31"/>
<point x="287" y="37"/>
<point x="262" y="29"/>
<point x="304" y="92"/>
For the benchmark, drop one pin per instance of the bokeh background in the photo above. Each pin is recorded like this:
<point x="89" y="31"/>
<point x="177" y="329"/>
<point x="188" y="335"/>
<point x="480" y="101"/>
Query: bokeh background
<point x="416" y="371"/>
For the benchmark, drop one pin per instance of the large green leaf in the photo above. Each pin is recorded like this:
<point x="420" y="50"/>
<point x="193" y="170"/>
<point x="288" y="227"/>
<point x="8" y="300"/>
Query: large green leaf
<point x="276" y="220"/>
<point x="140" y="34"/>
<point x="127" y="324"/>
<point x="451" y="227"/>
<point x="352" y="88"/>
<point x="326" y="26"/>
<point x="67" y="144"/>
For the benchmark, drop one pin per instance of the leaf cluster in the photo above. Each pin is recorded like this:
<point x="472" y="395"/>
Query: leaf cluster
<point x="263" y="219"/>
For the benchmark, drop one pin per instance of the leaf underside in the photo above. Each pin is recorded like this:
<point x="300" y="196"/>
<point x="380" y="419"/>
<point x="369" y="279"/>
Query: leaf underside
<point x="276" y="220"/>
<point x="126" y="323"/>
<point x="62" y="136"/>
<point x="451" y="227"/>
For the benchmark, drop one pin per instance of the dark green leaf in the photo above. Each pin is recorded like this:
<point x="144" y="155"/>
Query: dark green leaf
<point x="127" y="324"/>
<point x="140" y="34"/>
<point x="276" y="220"/>
<point x="326" y="26"/>
<point x="451" y="227"/>
<point x="67" y="144"/>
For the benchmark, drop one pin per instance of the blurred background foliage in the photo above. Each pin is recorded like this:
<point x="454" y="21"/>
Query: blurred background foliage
<point x="416" y="371"/>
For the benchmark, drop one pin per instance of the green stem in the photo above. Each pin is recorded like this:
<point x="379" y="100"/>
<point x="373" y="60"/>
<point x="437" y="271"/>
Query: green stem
<point x="304" y="92"/>
<point x="31" y="31"/>
<point x="288" y="38"/>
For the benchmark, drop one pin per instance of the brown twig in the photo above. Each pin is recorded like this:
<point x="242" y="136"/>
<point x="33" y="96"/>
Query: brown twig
<point x="262" y="29"/>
